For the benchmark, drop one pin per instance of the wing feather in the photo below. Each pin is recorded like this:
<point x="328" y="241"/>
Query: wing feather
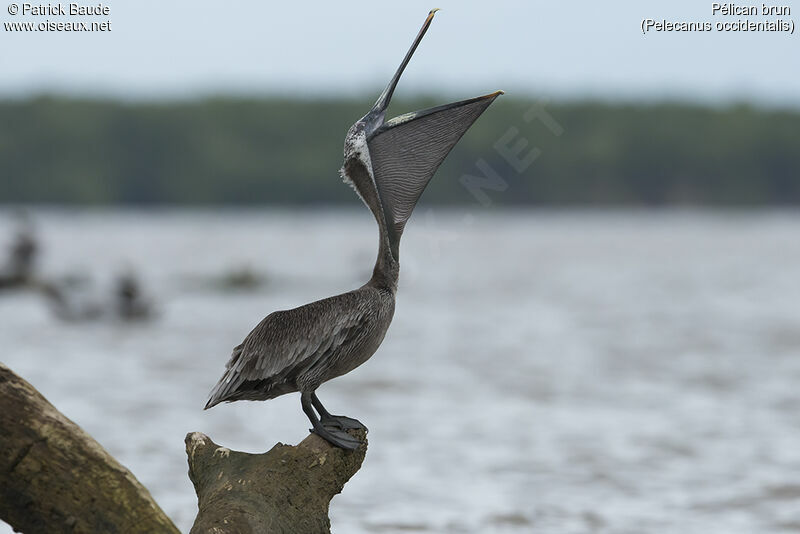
<point x="287" y="341"/>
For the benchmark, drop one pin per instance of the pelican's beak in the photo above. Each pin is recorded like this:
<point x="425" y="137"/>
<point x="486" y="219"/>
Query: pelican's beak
<point x="379" y="109"/>
<point x="452" y="105"/>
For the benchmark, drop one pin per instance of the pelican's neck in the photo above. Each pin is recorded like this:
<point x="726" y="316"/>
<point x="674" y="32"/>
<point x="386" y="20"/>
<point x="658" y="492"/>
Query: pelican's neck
<point x="387" y="267"/>
<point x="357" y="171"/>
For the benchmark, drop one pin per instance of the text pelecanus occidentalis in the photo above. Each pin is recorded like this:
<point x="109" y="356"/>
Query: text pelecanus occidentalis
<point x="388" y="163"/>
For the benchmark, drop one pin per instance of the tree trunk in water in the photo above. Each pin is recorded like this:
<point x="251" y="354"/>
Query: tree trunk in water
<point x="55" y="478"/>
<point x="285" y="490"/>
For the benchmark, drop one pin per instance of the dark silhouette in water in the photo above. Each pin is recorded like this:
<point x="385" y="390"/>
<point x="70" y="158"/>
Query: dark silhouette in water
<point x="388" y="163"/>
<point x="127" y="301"/>
<point x="131" y="303"/>
<point x="22" y="256"/>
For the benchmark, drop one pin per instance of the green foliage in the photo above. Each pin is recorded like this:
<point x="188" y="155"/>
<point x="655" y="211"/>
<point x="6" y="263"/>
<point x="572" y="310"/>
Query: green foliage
<point x="227" y="151"/>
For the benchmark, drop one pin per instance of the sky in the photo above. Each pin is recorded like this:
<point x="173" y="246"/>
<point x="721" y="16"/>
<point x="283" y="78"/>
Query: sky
<point x="563" y="50"/>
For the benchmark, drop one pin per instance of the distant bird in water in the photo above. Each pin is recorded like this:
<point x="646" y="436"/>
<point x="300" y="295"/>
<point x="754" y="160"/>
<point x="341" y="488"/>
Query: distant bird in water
<point x="130" y="301"/>
<point x="388" y="163"/>
<point x="22" y="255"/>
<point x="127" y="303"/>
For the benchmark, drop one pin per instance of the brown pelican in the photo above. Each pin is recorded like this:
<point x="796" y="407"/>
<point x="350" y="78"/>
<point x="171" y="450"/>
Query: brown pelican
<point x="388" y="163"/>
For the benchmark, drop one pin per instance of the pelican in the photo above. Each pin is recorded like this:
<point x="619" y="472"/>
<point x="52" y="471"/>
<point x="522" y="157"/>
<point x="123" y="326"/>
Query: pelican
<point x="388" y="163"/>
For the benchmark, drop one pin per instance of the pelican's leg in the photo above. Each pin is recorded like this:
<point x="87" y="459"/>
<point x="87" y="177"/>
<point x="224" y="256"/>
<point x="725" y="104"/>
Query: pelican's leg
<point x="337" y="421"/>
<point x="335" y="436"/>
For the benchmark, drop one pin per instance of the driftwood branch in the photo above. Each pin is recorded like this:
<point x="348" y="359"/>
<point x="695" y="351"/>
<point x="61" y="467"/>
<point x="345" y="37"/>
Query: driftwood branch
<point x="285" y="490"/>
<point x="55" y="478"/>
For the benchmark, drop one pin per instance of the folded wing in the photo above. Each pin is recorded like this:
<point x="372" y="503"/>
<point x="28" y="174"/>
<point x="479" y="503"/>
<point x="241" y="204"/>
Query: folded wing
<point x="284" y="344"/>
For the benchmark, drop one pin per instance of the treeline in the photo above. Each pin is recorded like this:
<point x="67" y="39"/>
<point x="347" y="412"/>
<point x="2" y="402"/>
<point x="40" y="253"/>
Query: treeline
<point x="227" y="151"/>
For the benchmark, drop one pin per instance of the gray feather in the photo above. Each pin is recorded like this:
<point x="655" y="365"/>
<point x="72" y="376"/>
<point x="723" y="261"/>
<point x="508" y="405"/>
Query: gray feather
<point x="283" y="351"/>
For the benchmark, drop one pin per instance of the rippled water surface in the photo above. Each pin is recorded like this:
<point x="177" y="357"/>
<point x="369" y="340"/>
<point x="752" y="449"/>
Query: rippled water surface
<point x="627" y="372"/>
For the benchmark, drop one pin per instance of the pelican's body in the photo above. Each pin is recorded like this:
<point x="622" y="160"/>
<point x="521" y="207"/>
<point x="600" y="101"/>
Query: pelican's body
<point x="317" y="341"/>
<point x="388" y="163"/>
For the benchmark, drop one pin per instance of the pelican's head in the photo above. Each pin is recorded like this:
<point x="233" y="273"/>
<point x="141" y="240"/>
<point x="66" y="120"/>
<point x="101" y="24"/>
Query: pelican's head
<point x="389" y="163"/>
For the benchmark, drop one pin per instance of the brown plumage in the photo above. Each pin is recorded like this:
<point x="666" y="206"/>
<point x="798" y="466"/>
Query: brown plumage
<point x="388" y="163"/>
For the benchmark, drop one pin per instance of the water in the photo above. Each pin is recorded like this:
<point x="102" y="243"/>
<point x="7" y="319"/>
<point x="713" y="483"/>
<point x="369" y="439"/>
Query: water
<point x="628" y="372"/>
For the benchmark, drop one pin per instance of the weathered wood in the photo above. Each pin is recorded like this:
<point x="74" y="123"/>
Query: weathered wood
<point x="55" y="478"/>
<point x="285" y="490"/>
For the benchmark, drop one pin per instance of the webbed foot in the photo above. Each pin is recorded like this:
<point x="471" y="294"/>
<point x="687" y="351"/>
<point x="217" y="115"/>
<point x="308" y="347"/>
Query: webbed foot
<point x="342" y="422"/>
<point x="330" y="427"/>
<point x="337" y="437"/>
